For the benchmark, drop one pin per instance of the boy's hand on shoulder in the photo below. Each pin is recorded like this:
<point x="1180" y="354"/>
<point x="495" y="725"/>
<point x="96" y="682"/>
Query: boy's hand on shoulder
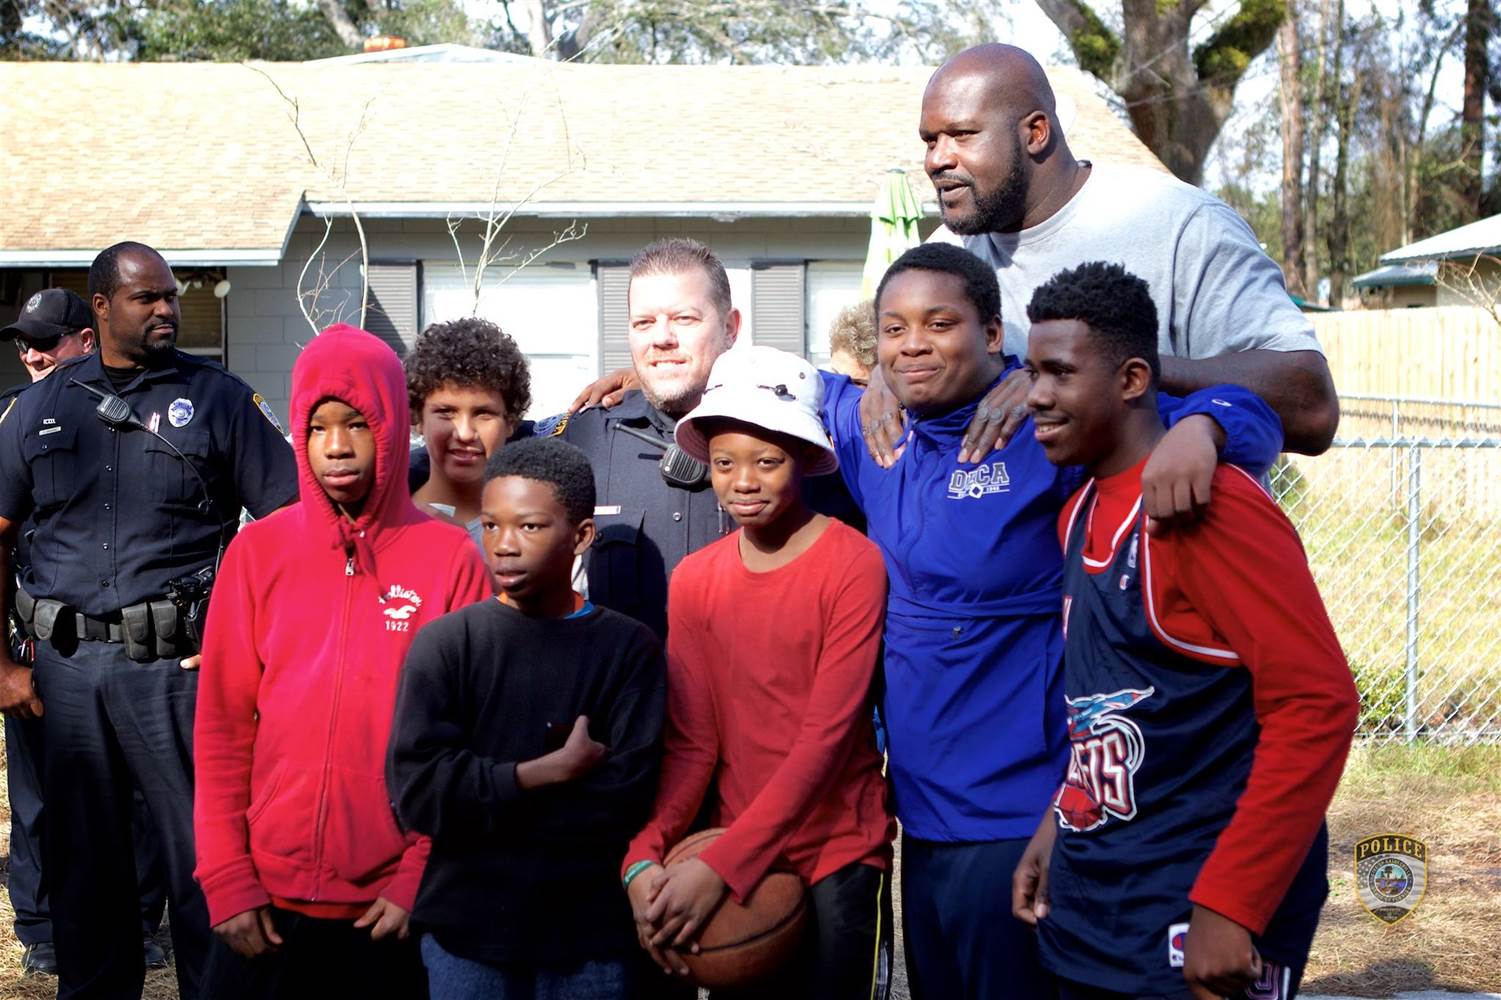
<point x="1219" y="959"/>
<point x="250" y="934"/>
<point x="575" y="759"/>
<point x="1029" y="883"/>
<point x="385" y="919"/>
<point x="1176" y="479"/>
<point x="687" y="896"/>
<point x="643" y="893"/>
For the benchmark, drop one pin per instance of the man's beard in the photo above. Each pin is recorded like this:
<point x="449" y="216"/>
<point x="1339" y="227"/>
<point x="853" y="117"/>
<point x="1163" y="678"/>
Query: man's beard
<point x="674" y="400"/>
<point x="999" y="210"/>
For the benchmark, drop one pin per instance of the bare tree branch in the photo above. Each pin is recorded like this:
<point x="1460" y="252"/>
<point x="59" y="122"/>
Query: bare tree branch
<point x="1477" y="281"/>
<point x="339" y="180"/>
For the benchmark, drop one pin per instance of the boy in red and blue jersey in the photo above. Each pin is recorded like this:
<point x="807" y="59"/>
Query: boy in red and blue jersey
<point x="1210" y="706"/>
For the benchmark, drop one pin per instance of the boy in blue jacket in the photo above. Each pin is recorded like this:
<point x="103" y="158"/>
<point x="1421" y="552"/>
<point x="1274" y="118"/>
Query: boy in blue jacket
<point x="973" y="702"/>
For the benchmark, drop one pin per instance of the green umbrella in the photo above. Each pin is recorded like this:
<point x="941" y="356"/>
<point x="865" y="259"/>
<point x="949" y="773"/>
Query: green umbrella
<point x="893" y="228"/>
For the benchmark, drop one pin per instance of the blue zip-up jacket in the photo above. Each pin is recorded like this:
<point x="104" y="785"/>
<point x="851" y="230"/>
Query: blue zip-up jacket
<point x="973" y="702"/>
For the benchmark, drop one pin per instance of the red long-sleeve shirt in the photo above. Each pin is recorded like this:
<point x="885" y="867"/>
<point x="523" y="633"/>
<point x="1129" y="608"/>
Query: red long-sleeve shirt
<point x="769" y="680"/>
<point x="1235" y="591"/>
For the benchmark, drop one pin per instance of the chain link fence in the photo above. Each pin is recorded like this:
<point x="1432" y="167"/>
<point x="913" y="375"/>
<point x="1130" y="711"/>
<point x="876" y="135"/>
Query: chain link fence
<point x="1401" y="521"/>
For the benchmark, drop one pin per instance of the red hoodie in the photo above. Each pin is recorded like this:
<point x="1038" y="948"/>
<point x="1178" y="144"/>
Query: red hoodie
<point x="308" y="627"/>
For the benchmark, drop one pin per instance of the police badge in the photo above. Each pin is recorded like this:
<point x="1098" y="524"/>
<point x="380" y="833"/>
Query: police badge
<point x="1391" y="874"/>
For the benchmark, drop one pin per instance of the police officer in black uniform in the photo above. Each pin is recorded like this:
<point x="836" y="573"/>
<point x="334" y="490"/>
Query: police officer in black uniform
<point x="134" y="463"/>
<point x="53" y="326"/>
<point x="654" y="502"/>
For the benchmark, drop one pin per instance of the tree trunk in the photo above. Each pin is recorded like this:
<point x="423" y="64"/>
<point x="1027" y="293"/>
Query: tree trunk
<point x="1315" y="143"/>
<point x="1290" y="56"/>
<point x="1344" y="114"/>
<point x="1177" y="97"/>
<point x="1472" y="112"/>
<point x="342" y="23"/>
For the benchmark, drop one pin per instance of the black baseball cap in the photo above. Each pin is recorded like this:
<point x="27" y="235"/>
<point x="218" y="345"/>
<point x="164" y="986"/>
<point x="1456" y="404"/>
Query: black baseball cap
<point x="52" y="312"/>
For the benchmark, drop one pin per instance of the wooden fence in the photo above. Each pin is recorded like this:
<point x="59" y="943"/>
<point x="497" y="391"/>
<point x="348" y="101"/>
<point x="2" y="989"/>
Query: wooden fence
<point x="1448" y="353"/>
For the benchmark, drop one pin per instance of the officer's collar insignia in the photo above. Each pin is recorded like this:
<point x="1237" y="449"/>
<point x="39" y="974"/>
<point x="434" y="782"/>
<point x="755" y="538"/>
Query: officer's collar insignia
<point x="1391" y="875"/>
<point x="180" y="412"/>
<point x="260" y="404"/>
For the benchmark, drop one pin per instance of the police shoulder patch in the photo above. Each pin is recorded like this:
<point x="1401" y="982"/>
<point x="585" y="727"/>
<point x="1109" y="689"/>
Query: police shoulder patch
<point x="552" y="426"/>
<point x="265" y="408"/>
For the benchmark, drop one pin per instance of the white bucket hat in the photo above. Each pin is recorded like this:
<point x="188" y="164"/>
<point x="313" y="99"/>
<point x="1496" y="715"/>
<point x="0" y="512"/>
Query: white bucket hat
<point x="766" y="388"/>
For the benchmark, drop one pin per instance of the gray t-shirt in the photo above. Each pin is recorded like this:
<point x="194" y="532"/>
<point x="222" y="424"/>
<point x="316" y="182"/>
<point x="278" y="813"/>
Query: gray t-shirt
<point x="1216" y="290"/>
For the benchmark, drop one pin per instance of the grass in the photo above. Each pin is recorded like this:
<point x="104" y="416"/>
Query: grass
<point x="1450" y="798"/>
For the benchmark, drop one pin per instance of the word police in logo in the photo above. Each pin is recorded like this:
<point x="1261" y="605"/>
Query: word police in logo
<point x="1391" y="874"/>
<point x="980" y="482"/>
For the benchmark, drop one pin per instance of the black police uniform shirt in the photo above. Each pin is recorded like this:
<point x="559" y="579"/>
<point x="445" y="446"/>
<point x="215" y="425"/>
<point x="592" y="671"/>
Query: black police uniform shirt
<point x="116" y="512"/>
<point x="643" y="525"/>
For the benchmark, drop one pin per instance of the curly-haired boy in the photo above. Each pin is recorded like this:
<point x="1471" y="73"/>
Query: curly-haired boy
<point x="468" y="385"/>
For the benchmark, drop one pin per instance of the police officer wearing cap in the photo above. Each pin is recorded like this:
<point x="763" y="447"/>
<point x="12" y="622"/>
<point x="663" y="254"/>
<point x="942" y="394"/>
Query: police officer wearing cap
<point x="134" y="463"/>
<point x="654" y="501"/>
<point x="53" y="326"/>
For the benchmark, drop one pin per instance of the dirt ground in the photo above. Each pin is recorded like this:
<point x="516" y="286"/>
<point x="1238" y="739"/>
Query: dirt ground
<point x="1451" y="799"/>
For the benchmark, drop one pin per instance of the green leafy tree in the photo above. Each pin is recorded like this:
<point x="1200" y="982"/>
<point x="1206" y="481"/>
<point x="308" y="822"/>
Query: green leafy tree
<point x="233" y="30"/>
<point x="748" y="31"/>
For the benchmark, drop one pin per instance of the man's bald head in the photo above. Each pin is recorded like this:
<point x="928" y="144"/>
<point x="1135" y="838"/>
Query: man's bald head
<point x="1013" y="78"/>
<point x="989" y="120"/>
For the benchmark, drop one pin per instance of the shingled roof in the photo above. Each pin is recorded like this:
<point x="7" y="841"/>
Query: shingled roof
<point x="203" y="160"/>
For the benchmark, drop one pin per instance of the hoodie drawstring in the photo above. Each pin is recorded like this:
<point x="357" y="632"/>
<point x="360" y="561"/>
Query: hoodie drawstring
<point x="359" y="553"/>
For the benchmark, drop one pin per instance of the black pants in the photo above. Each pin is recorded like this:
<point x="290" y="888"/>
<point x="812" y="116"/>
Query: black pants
<point x="27" y="886"/>
<point x="961" y="940"/>
<point x="110" y="725"/>
<point x="846" y="954"/>
<point x="318" y="960"/>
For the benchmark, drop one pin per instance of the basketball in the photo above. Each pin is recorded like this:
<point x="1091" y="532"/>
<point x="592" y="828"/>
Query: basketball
<point x="743" y="943"/>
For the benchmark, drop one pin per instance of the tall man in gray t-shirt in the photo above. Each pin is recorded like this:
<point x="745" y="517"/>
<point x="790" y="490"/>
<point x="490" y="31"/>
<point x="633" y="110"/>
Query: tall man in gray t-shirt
<point x="1011" y="192"/>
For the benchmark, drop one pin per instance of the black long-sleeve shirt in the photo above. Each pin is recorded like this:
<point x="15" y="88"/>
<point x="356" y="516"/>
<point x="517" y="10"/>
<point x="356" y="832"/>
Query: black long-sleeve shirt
<point x="518" y="875"/>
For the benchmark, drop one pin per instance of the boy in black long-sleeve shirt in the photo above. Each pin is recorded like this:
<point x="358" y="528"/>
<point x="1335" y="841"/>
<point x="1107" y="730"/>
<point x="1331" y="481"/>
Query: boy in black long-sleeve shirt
<point x="494" y="752"/>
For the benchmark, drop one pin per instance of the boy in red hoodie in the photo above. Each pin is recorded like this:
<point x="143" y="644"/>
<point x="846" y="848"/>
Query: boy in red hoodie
<point x="309" y="881"/>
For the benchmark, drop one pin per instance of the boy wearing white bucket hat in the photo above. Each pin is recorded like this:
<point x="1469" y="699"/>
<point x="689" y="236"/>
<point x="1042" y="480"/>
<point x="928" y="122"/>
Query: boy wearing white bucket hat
<point x="773" y="635"/>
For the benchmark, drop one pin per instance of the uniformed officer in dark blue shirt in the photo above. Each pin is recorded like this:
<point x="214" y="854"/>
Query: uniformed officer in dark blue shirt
<point x="134" y="463"/>
<point x="53" y="326"/>
<point x="654" y="502"/>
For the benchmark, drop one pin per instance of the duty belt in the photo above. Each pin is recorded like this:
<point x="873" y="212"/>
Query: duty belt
<point x="148" y="631"/>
